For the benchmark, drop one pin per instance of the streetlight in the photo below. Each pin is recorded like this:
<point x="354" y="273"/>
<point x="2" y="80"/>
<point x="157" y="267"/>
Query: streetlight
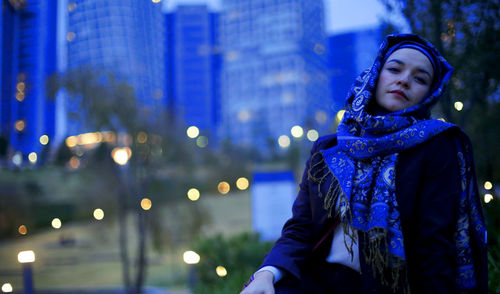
<point x="121" y="156"/>
<point x="26" y="258"/>
<point x="7" y="288"/>
<point x="191" y="258"/>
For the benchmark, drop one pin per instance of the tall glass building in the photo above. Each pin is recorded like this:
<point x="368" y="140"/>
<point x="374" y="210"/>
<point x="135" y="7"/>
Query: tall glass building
<point x="28" y="57"/>
<point x="350" y="53"/>
<point x="124" y="37"/>
<point x="274" y="74"/>
<point x="193" y="66"/>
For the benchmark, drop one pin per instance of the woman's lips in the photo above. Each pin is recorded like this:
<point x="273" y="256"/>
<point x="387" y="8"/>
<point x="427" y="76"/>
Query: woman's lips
<point x="400" y="94"/>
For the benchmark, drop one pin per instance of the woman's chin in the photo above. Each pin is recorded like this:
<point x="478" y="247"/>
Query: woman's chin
<point x="393" y="107"/>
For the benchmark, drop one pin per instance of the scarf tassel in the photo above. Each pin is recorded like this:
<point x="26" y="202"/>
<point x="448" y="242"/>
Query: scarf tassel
<point x="318" y="173"/>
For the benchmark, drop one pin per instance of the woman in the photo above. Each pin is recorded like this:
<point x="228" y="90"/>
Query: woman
<point x="389" y="204"/>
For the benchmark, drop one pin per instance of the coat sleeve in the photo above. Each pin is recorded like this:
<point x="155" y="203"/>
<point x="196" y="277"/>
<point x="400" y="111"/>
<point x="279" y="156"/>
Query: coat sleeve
<point x="292" y="248"/>
<point x="437" y="213"/>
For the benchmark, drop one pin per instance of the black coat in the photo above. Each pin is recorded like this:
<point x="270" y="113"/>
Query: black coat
<point x="427" y="191"/>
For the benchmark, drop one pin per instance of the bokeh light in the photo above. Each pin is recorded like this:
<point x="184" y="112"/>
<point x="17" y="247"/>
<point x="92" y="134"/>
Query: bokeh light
<point x="202" y="141"/>
<point x="243" y="115"/>
<point x="320" y="117"/>
<point x="7" y="288"/>
<point x="21" y="86"/>
<point x="22" y="230"/>
<point x="44" y="140"/>
<point x="142" y="137"/>
<point x="223" y="187"/>
<point x="297" y="131"/>
<point x="32" y="157"/>
<point x="121" y="155"/>
<point x="74" y="162"/>
<point x="19" y="125"/>
<point x="26" y="256"/>
<point x="284" y="141"/>
<point x="221" y="271"/>
<point x="193" y="194"/>
<point x="488" y="197"/>
<point x="191" y="257"/>
<point x="146" y="204"/>
<point x="192" y="132"/>
<point x="98" y="214"/>
<point x="17" y="159"/>
<point x="458" y="105"/>
<point x="71" y="6"/>
<point x="488" y="185"/>
<point x="71" y="141"/>
<point x="56" y="223"/>
<point x="242" y="183"/>
<point x="19" y="96"/>
<point x="312" y="135"/>
<point x="70" y="36"/>
<point x="340" y="115"/>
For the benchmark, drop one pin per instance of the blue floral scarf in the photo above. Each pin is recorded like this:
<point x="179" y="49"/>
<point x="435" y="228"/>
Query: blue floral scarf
<point x="363" y="163"/>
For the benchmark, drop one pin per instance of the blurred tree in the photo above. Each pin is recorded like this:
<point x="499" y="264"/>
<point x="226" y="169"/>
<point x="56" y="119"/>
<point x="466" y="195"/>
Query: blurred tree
<point x="164" y="163"/>
<point x="104" y="102"/>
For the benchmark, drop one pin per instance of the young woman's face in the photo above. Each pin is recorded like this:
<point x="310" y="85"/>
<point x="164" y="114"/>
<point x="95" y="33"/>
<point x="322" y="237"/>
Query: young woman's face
<point x="404" y="80"/>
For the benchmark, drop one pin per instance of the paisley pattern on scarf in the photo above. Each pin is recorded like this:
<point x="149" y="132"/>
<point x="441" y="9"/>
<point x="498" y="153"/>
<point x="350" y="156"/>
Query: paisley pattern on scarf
<point x="363" y="166"/>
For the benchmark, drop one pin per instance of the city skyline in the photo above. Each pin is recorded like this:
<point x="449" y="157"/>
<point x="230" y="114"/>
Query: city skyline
<point x="251" y="77"/>
<point x="340" y="17"/>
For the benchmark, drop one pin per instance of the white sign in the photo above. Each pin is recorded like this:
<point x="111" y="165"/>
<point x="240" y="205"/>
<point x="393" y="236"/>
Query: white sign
<point x="273" y="194"/>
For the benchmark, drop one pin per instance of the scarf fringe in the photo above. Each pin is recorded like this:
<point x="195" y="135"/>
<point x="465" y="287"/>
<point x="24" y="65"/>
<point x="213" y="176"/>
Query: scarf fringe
<point x="390" y="270"/>
<point x="334" y="196"/>
<point x="334" y="193"/>
<point x="375" y="252"/>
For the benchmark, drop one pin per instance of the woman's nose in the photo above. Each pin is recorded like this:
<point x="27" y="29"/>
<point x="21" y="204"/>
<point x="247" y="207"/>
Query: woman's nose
<point x="403" y="80"/>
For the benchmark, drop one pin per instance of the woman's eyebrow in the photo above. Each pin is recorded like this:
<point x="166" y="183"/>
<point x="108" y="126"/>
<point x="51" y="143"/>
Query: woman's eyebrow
<point x="422" y="70"/>
<point x="425" y="72"/>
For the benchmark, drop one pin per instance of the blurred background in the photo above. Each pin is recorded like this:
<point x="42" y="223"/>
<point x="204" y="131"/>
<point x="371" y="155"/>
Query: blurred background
<point x="155" y="146"/>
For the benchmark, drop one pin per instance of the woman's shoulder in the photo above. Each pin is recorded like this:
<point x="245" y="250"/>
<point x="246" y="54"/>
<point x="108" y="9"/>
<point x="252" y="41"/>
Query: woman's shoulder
<point x="445" y="141"/>
<point x="435" y="153"/>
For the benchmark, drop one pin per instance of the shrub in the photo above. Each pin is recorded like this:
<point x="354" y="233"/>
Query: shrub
<point x="492" y="210"/>
<point x="240" y="255"/>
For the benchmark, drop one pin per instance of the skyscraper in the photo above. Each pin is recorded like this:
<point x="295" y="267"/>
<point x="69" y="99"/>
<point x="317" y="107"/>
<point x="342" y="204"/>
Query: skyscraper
<point x="350" y="53"/>
<point x="274" y="74"/>
<point x="123" y="37"/>
<point x="193" y="66"/>
<point x="28" y="57"/>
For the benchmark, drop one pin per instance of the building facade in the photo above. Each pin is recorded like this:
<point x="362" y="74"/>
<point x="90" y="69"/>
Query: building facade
<point x="28" y="58"/>
<point x="274" y="73"/>
<point x="120" y="37"/>
<point x="350" y="53"/>
<point x="193" y="67"/>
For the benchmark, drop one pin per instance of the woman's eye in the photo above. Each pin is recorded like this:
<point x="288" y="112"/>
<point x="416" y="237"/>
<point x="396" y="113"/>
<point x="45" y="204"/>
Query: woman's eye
<point x="393" y="69"/>
<point x="421" y="80"/>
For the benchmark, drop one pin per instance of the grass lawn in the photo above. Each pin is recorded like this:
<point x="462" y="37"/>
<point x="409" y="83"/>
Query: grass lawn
<point x="92" y="258"/>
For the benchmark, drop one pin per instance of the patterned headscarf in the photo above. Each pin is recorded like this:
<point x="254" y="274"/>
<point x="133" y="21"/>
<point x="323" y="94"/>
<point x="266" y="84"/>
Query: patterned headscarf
<point x="362" y="165"/>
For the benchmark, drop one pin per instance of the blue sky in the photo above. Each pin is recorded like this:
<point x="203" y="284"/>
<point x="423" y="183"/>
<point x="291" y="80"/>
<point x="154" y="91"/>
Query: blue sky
<point x="341" y="15"/>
